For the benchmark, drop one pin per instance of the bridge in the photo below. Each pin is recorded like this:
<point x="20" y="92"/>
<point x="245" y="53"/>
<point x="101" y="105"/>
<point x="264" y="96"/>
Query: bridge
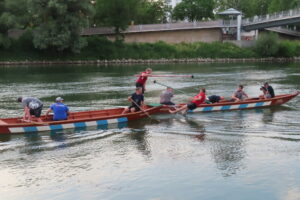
<point x="207" y="31"/>
<point x="273" y="20"/>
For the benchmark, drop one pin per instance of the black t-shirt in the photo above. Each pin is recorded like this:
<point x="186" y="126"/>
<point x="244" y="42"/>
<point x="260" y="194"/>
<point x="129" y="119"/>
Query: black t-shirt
<point x="271" y="91"/>
<point x="137" y="98"/>
<point x="214" y="98"/>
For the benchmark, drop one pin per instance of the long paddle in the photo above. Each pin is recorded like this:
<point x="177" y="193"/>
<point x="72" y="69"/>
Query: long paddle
<point x="155" y="81"/>
<point x="144" y="111"/>
<point x="188" y="76"/>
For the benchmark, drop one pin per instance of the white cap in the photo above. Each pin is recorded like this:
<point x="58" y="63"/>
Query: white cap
<point x="59" y="99"/>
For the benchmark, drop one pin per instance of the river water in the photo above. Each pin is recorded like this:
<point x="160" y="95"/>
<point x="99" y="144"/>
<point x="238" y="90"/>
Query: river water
<point x="250" y="154"/>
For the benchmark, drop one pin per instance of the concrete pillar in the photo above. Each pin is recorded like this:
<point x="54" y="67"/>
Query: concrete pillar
<point x="239" y="25"/>
<point x="256" y="34"/>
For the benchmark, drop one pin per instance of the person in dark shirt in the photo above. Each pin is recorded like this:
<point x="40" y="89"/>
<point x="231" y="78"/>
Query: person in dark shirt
<point x="137" y="100"/>
<point x="215" y="98"/>
<point x="270" y="89"/>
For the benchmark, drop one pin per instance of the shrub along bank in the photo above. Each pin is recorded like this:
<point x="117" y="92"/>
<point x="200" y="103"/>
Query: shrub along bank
<point x="99" y="48"/>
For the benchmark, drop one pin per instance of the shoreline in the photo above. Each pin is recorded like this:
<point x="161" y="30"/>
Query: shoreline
<point x="152" y="61"/>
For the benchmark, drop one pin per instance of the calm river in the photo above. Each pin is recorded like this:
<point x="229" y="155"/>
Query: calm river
<point x="251" y="154"/>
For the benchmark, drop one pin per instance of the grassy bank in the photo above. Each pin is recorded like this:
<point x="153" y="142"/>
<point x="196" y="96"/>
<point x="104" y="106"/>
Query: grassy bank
<point x="99" y="48"/>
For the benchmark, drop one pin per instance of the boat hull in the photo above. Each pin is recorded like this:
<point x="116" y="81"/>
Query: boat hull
<point x="247" y="104"/>
<point x="77" y="120"/>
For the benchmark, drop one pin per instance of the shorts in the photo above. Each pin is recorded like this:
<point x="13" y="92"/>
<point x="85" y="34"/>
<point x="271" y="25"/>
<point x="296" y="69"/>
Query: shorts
<point x="36" y="112"/>
<point x="134" y="106"/>
<point x="140" y="85"/>
<point x="168" y="103"/>
<point x="191" y="106"/>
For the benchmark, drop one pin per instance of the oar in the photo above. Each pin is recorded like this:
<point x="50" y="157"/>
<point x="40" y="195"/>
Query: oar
<point x="169" y="87"/>
<point x="144" y="111"/>
<point x="188" y="76"/>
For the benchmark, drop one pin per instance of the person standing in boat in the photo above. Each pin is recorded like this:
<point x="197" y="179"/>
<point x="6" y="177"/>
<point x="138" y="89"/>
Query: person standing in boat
<point x="270" y="89"/>
<point x="141" y="81"/>
<point x="32" y="107"/>
<point x="165" y="97"/>
<point x="60" y="110"/>
<point x="239" y="95"/>
<point x="195" y="102"/>
<point x="137" y="101"/>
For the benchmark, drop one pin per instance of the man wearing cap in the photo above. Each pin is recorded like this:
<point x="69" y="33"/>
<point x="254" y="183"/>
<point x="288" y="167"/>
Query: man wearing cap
<point x="32" y="107"/>
<point x="60" y="110"/>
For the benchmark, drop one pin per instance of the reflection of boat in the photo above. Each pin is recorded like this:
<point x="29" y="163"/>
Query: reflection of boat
<point x="247" y="104"/>
<point x="75" y="120"/>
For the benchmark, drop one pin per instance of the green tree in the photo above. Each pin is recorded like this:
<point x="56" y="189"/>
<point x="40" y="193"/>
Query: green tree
<point x="152" y="12"/>
<point x="12" y="15"/>
<point x="194" y="10"/>
<point x="58" y="24"/>
<point x="116" y="13"/>
<point x="281" y="5"/>
<point x="267" y="45"/>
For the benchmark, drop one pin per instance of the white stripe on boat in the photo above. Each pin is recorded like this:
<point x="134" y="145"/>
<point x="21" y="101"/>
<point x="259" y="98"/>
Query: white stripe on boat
<point x="67" y="126"/>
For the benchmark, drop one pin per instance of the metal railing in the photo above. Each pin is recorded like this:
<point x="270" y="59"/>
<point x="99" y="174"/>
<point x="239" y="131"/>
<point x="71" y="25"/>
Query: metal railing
<point x="272" y="17"/>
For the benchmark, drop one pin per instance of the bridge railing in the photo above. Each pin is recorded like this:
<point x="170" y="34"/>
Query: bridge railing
<point x="173" y="26"/>
<point x="271" y="17"/>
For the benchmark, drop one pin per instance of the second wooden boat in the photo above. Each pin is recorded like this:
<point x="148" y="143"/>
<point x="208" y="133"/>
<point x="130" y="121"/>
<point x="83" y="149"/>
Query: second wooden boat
<point x="75" y="120"/>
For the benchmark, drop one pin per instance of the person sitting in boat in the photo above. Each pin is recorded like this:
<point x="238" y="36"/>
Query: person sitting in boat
<point x="141" y="81"/>
<point x="239" y="95"/>
<point x="165" y="97"/>
<point x="270" y="89"/>
<point x="195" y="102"/>
<point x="215" y="99"/>
<point x="32" y="107"/>
<point x="59" y="109"/>
<point x="265" y="93"/>
<point x="137" y="101"/>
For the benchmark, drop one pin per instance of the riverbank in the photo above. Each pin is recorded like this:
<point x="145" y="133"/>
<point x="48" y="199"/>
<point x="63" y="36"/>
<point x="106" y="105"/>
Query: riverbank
<point x="152" y="61"/>
<point x="101" y="51"/>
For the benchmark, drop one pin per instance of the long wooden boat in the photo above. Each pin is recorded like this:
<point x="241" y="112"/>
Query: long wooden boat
<point x="247" y="104"/>
<point x="75" y="120"/>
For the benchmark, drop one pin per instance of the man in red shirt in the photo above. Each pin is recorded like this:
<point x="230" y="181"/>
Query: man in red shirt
<point x="141" y="81"/>
<point x="195" y="102"/>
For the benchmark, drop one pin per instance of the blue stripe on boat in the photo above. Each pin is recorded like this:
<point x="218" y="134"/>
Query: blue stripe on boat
<point x="207" y="109"/>
<point x="30" y="129"/>
<point x="56" y="127"/>
<point x="225" y="107"/>
<point x="259" y="104"/>
<point x="102" y="122"/>
<point x="123" y="119"/>
<point x="243" y="106"/>
<point x="79" y="125"/>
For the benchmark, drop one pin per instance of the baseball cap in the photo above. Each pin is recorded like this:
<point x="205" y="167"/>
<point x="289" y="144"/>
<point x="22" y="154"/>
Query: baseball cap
<point x="59" y="99"/>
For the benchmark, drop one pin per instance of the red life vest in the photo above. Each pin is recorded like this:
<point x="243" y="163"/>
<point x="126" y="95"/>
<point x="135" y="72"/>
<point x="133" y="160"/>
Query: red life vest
<point x="142" y="79"/>
<point x="203" y="97"/>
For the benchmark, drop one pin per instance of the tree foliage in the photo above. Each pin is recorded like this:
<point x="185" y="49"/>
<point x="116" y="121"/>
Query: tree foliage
<point x="267" y="45"/>
<point x="116" y="13"/>
<point x="194" y="10"/>
<point x="58" y="24"/>
<point x="152" y="12"/>
<point x="12" y="15"/>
